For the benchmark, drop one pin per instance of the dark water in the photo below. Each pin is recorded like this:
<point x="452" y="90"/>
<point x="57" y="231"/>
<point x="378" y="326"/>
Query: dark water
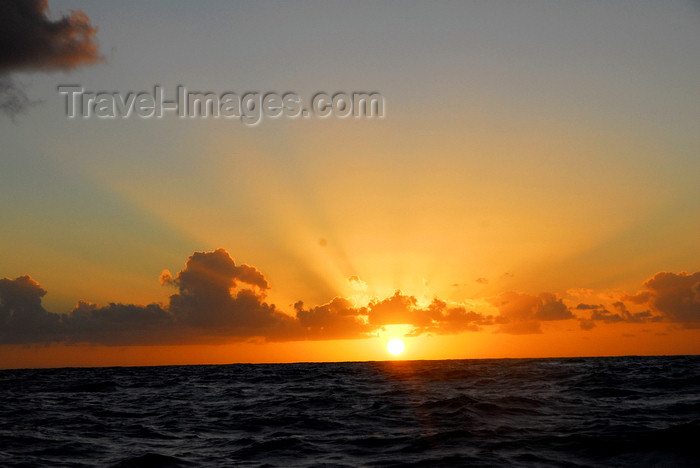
<point x="629" y="411"/>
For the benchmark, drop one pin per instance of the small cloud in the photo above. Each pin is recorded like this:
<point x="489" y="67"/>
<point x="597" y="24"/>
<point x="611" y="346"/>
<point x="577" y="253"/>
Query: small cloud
<point x="356" y="284"/>
<point x="165" y="277"/>
<point x="482" y="280"/>
<point x="31" y="41"/>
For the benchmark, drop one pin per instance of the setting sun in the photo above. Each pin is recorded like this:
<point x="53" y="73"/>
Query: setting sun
<point x="395" y="346"/>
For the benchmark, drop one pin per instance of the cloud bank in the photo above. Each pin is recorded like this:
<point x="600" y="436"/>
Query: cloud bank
<point x="217" y="300"/>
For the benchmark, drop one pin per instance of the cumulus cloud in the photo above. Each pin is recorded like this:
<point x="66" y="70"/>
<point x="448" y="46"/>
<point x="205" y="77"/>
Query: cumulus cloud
<point x="437" y="318"/>
<point x="219" y="300"/>
<point x="520" y="313"/>
<point x="31" y="41"/>
<point x="217" y="297"/>
<point x="676" y="296"/>
<point x="396" y="309"/>
<point x="336" y="319"/>
<point x="118" y="324"/>
<point x="444" y="319"/>
<point x="22" y="317"/>
<point x="216" y="300"/>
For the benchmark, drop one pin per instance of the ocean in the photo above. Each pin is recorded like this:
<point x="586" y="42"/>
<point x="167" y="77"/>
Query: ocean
<point x="616" y="411"/>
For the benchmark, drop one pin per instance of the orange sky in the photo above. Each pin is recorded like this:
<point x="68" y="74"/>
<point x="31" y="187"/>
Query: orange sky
<point x="531" y="191"/>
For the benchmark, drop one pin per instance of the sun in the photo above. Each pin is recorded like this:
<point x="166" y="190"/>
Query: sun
<point x="395" y="346"/>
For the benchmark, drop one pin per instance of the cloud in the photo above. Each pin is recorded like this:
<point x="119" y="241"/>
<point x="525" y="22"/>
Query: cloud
<point x="215" y="300"/>
<point x="22" y="317"/>
<point x="396" y="309"/>
<point x="118" y="324"/>
<point x="619" y="314"/>
<point x="520" y="313"/>
<point x="357" y="284"/>
<point x="336" y="319"/>
<point x="447" y="320"/>
<point x="676" y="296"/>
<point x="218" y="300"/>
<point x="217" y="297"/>
<point x="31" y="41"/>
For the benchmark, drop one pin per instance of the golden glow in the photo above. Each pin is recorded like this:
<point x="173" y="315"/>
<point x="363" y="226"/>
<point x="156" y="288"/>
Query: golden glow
<point x="395" y="346"/>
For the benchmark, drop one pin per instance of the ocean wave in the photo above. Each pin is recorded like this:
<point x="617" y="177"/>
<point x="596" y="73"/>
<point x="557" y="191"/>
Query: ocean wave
<point x="629" y="411"/>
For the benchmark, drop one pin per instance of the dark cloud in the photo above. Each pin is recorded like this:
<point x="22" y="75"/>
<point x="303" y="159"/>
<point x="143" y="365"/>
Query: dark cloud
<point x="216" y="297"/>
<point x="482" y="280"/>
<point x="437" y="318"/>
<point x="397" y="309"/>
<point x="521" y="313"/>
<point x="119" y="324"/>
<point x="448" y="320"/>
<point x="22" y="317"/>
<point x="336" y="319"/>
<point x="215" y="300"/>
<point x="218" y="300"/>
<point x="676" y="296"/>
<point x="31" y="41"/>
<point x="619" y="314"/>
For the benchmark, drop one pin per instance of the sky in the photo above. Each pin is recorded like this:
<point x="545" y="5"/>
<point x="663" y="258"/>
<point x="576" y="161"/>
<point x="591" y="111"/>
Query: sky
<point x="530" y="191"/>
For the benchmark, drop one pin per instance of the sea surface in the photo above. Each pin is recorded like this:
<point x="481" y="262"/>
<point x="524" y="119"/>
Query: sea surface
<point x="618" y="411"/>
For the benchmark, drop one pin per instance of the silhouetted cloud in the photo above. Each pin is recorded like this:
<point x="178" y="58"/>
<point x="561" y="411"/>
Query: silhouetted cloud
<point x="599" y="313"/>
<point x="336" y="319"/>
<point x="521" y="313"/>
<point x="448" y="320"/>
<point x="397" y="309"/>
<point x="218" y="300"/>
<point x="31" y="41"/>
<point x="674" y="295"/>
<point x="22" y="317"/>
<point x="215" y="298"/>
<point x="119" y="324"/>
